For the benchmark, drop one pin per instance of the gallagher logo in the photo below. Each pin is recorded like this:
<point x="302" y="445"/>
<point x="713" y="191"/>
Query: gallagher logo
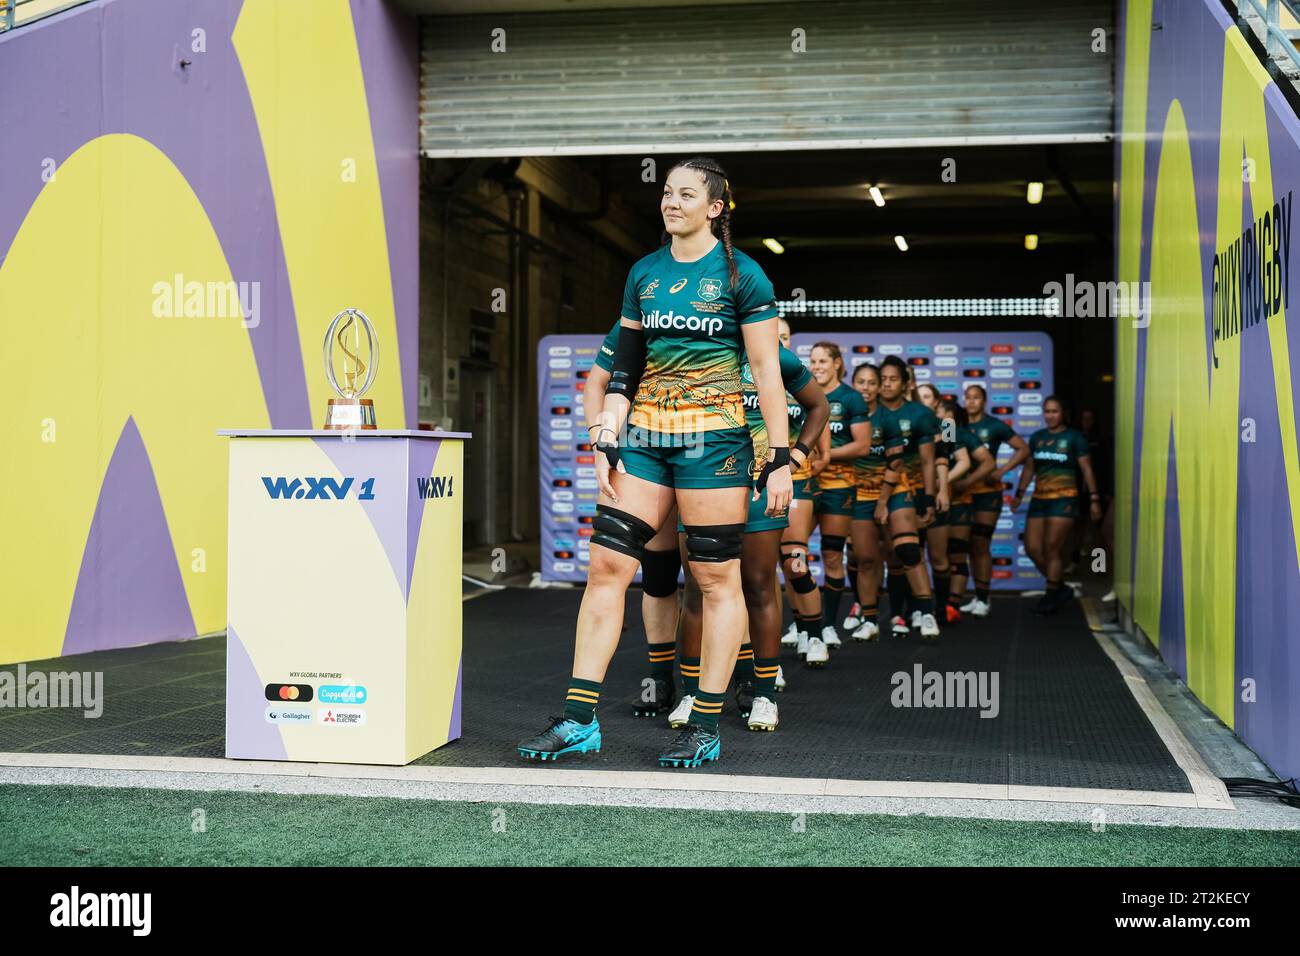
<point x="309" y="488"/>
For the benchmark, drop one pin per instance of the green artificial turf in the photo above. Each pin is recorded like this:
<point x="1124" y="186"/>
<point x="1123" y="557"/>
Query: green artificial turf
<point x="68" y="825"/>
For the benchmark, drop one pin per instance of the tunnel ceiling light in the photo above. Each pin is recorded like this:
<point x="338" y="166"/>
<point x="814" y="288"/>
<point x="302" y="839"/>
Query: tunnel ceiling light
<point x="901" y="243"/>
<point x="919" y="308"/>
<point x="1034" y="194"/>
<point x="1031" y="242"/>
<point x="876" y="196"/>
<point x="775" y="246"/>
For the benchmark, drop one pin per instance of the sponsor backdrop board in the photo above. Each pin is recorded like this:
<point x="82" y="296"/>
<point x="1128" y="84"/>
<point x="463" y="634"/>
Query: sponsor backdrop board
<point x="344" y="637"/>
<point x="567" y="466"/>
<point x="1016" y="368"/>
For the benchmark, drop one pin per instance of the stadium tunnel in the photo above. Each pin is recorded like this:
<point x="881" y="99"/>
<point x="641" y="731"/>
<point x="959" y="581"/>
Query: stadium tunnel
<point x="506" y="162"/>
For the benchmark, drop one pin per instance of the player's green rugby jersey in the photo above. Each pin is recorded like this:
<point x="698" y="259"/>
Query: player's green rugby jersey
<point x="869" y="470"/>
<point x="797" y="415"/>
<point x="965" y="439"/>
<point x="920" y="425"/>
<point x="898" y="429"/>
<point x="1056" y="462"/>
<point x="848" y="408"/>
<point x="692" y="319"/>
<point x="793" y="376"/>
<point x="992" y="433"/>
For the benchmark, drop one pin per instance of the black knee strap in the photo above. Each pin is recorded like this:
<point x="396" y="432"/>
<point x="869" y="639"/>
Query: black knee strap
<point x="803" y="583"/>
<point x="982" y="530"/>
<point x="714" y="542"/>
<point x="832" y="543"/>
<point x="659" y="570"/>
<point x="958" y="547"/>
<point x="620" y="531"/>
<point x="909" y="552"/>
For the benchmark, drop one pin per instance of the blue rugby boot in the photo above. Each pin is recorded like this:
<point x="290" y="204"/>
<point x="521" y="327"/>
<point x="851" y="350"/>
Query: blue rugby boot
<point x="563" y="736"/>
<point x="694" y="746"/>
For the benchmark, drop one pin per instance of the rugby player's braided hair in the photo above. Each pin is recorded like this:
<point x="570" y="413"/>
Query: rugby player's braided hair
<point x="715" y="180"/>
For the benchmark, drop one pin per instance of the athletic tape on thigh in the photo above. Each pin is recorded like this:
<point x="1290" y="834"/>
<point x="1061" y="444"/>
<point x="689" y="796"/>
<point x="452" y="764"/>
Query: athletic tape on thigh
<point x="982" y="530"/>
<point x="620" y="531"/>
<point x="659" y="570"/>
<point x="713" y="542"/>
<point x="958" y="547"/>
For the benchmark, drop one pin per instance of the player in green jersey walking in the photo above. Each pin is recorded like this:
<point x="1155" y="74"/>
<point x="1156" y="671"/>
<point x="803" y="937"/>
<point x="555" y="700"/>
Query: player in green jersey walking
<point x="896" y="508"/>
<point x="987" y="495"/>
<point x="760" y="656"/>
<point x="689" y="308"/>
<point x="869" y="473"/>
<point x="800" y="587"/>
<point x="925" y="425"/>
<point x="1058" y="456"/>
<point x="836" y="491"/>
<point x="959" y="509"/>
<point x="661" y="563"/>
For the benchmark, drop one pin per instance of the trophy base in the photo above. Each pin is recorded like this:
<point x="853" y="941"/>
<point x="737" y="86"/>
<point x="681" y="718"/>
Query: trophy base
<point x="348" y="413"/>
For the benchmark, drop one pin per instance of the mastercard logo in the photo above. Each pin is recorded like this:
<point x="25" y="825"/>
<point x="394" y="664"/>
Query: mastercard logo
<point x="584" y="373"/>
<point x="918" y="361"/>
<point x="298" y="692"/>
<point x="562" y="483"/>
<point x="1003" y="575"/>
<point x="863" y="349"/>
<point x="1001" y="349"/>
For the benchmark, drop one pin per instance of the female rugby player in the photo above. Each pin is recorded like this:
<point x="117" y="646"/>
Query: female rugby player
<point x="661" y="562"/>
<point x="986" y="502"/>
<point x="959" y="508"/>
<point x="689" y="308"/>
<point x="756" y="684"/>
<point x="869" y="471"/>
<point x="800" y="587"/>
<point x="897" y="509"/>
<point x="836" y="489"/>
<point x="1058" y="456"/>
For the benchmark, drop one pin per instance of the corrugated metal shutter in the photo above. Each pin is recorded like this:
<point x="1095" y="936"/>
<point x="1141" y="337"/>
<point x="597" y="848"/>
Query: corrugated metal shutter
<point x="876" y="73"/>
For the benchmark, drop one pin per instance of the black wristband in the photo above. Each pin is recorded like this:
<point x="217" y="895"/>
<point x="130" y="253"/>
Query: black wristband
<point x="780" y="458"/>
<point x="803" y="448"/>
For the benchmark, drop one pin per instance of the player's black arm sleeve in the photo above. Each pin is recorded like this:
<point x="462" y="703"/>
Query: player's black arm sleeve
<point x="629" y="363"/>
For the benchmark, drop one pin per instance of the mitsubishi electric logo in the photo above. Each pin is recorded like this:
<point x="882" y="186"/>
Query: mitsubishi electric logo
<point x="318" y="488"/>
<point x="688" y="323"/>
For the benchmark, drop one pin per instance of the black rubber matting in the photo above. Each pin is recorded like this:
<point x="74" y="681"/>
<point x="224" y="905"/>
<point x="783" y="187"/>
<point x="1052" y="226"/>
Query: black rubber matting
<point x="1065" y="717"/>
